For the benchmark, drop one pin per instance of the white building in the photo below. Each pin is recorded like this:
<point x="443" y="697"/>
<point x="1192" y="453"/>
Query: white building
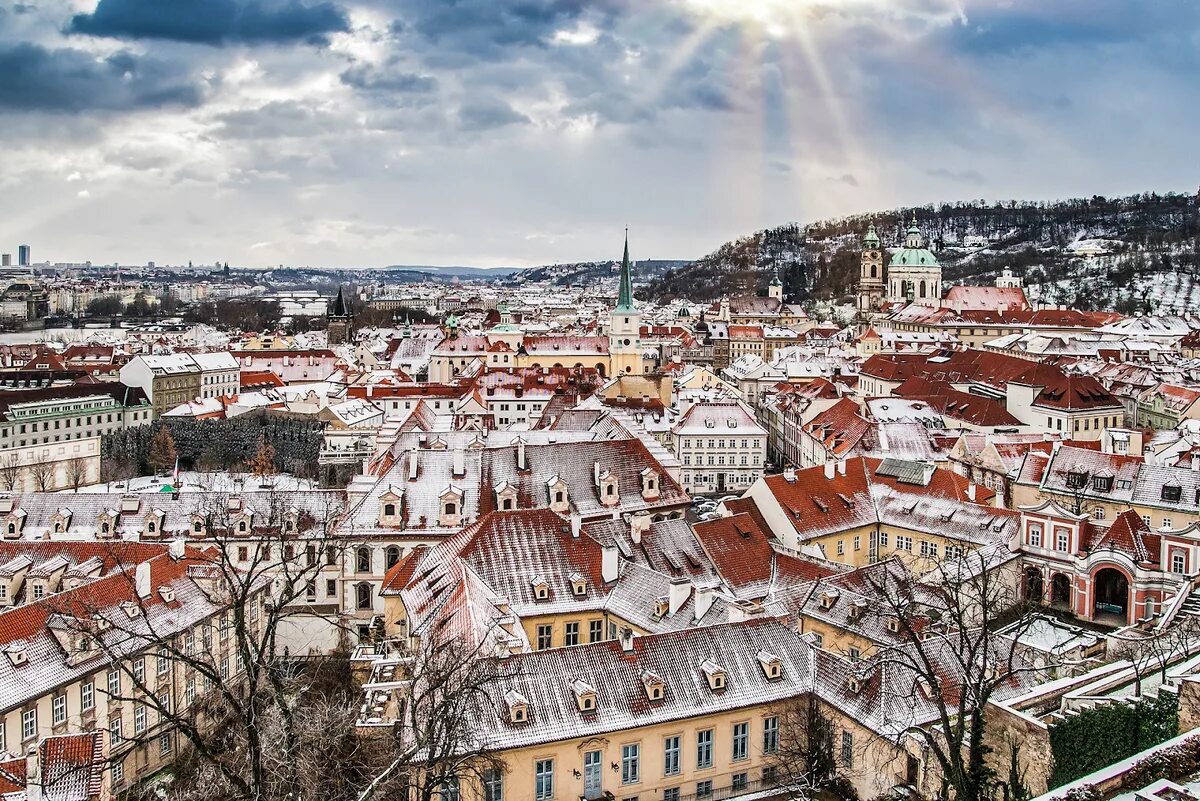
<point x="720" y="446"/>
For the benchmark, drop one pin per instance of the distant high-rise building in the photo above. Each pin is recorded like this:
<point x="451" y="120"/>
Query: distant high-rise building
<point x="5" y="260"/>
<point x="23" y="256"/>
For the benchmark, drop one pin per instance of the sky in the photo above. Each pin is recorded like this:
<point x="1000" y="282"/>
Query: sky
<point x="363" y="133"/>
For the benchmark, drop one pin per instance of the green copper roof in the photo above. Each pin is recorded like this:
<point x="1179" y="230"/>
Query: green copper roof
<point x="913" y="257"/>
<point x="871" y="240"/>
<point x="625" y="297"/>
<point x="775" y="278"/>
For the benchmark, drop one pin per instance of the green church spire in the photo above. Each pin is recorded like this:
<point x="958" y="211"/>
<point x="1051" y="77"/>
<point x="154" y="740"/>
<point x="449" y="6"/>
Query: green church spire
<point x="625" y="297"/>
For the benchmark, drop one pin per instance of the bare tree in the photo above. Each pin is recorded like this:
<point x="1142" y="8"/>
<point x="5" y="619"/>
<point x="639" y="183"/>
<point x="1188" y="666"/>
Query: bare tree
<point x="249" y="727"/>
<point x="951" y="660"/>
<point x="441" y="737"/>
<point x="10" y="472"/>
<point x="43" y="474"/>
<point x="77" y="473"/>
<point x="805" y="763"/>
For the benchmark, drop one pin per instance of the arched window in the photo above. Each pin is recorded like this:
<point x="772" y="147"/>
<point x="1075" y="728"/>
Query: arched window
<point x="392" y="556"/>
<point x="362" y="595"/>
<point x="922" y="288"/>
<point x="874" y="271"/>
<point x="362" y="559"/>
<point x="241" y="526"/>
<point x="610" y="490"/>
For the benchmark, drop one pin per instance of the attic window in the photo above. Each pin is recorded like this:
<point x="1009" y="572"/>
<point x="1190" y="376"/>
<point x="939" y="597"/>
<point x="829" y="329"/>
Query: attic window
<point x="167" y="594"/>
<point x="518" y="707"/>
<point x="17" y="654"/>
<point x="1172" y="492"/>
<point x="661" y="606"/>
<point x="854" y="684"/>
<point x="828" y="599"/>
<point x="893" y="624"/>
<point x="1077" y="479"/>
<point x="716" y="675"/>
<point x="578" y="585"/>
<point x="653" y="686"/>
<point x="1102" y="483"/>
<point x="772" y="666"/>
<point x="541" y="590"/>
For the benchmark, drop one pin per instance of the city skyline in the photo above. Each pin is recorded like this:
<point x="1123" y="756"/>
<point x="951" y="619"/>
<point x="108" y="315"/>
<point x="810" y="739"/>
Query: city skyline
<point x="501" y="133"/>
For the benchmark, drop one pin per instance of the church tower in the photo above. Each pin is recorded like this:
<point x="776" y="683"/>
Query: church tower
<point x="870" y="277"/>
<point x="339" y="320"/>
<point x="625" y="326"/>
<point x="775" y="288"/>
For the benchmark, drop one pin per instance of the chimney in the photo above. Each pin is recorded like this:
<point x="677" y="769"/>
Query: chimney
<point x="829" y="470"/>
<point x="744" y="610"/>
<point x="576" y="525"/>
<point x="520" y="443"/>
<point x="626" y="637"/>
<point x="971" y="491"/>
<point x="141" y="579"/>
<point x="638" y="525"/>
<point x="175" y="548"/>
<point x="460" y="463"/>
<point x="33" y="775"/>
<point x="705" y="596"/>
<point x="789" y="474"/>
<point x="841" y="467"/>
<point x="677" y="594"/>
<point x="609" y="563"/>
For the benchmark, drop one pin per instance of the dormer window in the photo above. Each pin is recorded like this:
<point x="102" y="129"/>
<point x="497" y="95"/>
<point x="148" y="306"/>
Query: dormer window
<point x="450" y="503"/>
<point x="653" y="686"/>
<point x="506" y="496"/>
<point x="715" y="674"/>
<point x="1102" y="483"/>
<point x="130" y="609"/>
<point x="1172" y="493"/>
<point x="828" y="599"/>
<point x="559" y="498"/>
<point x="541" y="589"/>
<point x="893" y="625"/>
<point x="167" y="594"/>
<point x="662" y="606"/>
<point x="1077" y="479"/>
<point x="857" y="609"/>
<point x="518" y="707"/>
<point x="854" y="684"/>
<point x="772" y="666"/>
<point x="578" y="585"/>
<point x="17" y="654"/>
<point x="649" y="484"/>
<point x="585" y="696"/>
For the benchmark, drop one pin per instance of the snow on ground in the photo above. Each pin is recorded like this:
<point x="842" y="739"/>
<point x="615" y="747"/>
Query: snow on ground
<point x="206" y="482"/>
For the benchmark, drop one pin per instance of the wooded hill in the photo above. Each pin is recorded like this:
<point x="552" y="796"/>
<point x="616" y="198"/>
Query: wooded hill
<point x="1136" y="253"/>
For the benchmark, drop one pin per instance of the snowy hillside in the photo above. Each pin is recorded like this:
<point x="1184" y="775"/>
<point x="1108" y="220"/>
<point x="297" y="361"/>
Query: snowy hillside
<point x="1137" y="253"/>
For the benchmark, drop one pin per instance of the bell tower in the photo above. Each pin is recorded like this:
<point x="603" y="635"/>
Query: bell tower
<point x="625" y="326"/>
<point x="870" y="276"/>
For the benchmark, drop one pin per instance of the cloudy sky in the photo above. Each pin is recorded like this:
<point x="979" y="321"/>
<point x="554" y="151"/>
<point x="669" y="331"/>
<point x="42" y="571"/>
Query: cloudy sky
<point x="517" y="132"/>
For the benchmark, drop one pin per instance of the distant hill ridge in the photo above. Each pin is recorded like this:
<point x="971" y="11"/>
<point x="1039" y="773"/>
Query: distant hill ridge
<point x="1132" y="254"/>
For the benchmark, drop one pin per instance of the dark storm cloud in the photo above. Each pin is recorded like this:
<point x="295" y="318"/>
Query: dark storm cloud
<point x="391" y="77"/>
<point x="486" y="114"/>
<point x="214" y="22"/>
<point x="490" y="29"/>
<point x="71" y="81"/>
